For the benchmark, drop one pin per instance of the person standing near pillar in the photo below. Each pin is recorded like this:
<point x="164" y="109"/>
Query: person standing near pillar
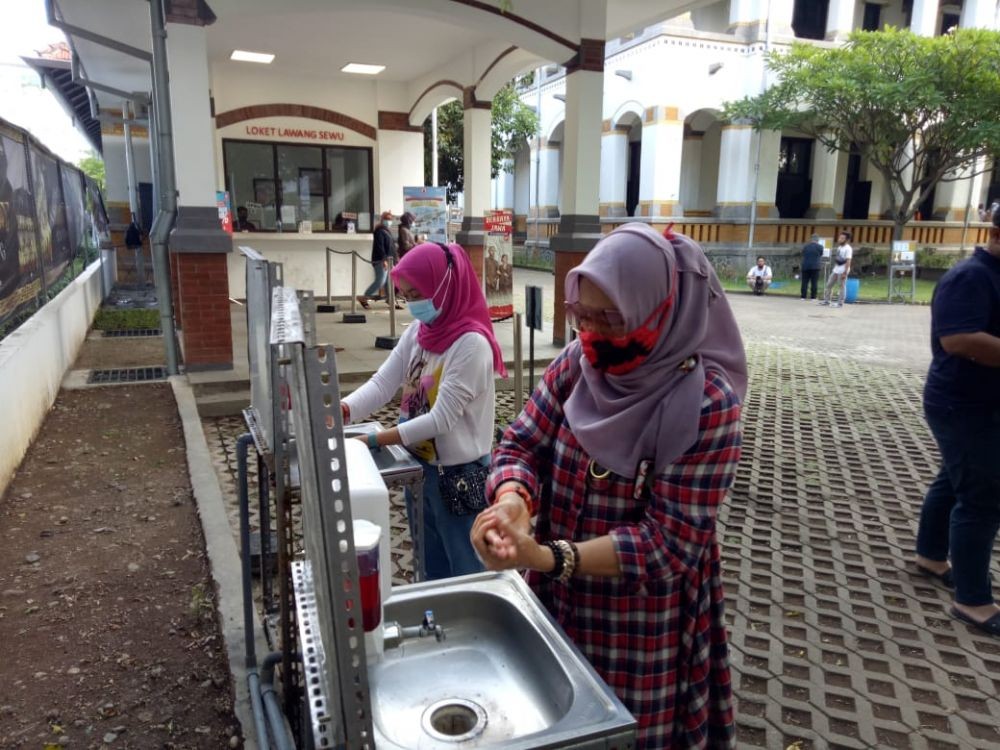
<point x="841" y="270"/>
<point x="961" y="511"/>
<point x="812" y="258"/>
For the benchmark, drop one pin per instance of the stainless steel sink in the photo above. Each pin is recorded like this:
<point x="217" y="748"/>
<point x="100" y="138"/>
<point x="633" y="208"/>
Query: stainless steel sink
<point x="504" y="676"/>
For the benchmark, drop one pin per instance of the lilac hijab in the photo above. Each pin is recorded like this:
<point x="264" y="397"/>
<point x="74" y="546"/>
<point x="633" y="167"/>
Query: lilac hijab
<point x="653" y="411"/>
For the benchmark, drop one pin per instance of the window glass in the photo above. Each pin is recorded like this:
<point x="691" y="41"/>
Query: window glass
<point x="311" y="183"/>
<point x="351" y="187"/>
<point x="250" y="181"/>
<point x="300" y="174"/>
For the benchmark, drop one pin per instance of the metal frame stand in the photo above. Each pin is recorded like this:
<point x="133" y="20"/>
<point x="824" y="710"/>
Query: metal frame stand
<point x="896" y="272"/>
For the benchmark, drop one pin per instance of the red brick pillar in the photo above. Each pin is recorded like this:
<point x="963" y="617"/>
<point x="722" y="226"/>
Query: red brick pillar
<point x="200" y="252"/>
<point x="472" y="238"/>
<point x="577" y="235"/>
<point x="203" y="281"/>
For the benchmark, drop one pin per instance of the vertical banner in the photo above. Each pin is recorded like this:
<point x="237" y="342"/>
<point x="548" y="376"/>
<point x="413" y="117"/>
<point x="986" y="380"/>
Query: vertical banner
<point x="50" y="212"/>
<point x="225" y="212"/>
<point x="430" y="206"/>
<point x="98" y="215"/>
<point x="76" y="209"/>
<point x="19" y="276"/>
<point x="498" y="273"/>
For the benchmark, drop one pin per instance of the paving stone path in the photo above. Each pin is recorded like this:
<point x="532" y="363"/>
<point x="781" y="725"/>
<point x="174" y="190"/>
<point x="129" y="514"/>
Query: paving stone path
<point x="835" y="643"/>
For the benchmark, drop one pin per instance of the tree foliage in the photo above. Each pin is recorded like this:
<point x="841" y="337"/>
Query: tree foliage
<point x="513" y="123"/>
<point x="921" y="110"/>
<point x="92" y="165"/>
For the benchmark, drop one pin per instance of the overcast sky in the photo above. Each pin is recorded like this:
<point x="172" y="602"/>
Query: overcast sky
<point x="23" y="31"/>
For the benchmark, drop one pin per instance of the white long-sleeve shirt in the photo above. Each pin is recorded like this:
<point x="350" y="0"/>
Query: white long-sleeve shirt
<point x="448" y="406"/>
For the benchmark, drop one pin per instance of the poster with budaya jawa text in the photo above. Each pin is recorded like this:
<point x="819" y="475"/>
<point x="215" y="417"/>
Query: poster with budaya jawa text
<point x="498" y="273"/>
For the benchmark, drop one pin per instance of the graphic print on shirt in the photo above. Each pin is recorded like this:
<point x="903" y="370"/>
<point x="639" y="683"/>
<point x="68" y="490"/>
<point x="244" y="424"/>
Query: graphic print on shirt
<point x="420" y="391"/>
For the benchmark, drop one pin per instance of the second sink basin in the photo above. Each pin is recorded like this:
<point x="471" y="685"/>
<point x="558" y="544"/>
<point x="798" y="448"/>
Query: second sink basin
<point x="506" y="675"/>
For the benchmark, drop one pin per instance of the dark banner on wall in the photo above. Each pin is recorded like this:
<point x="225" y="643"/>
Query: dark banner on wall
<point x="49" y="211"/>
<point x="19" y="272"/>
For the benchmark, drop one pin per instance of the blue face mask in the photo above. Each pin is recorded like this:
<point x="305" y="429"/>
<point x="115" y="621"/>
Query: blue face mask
<point x="423" y="310"/>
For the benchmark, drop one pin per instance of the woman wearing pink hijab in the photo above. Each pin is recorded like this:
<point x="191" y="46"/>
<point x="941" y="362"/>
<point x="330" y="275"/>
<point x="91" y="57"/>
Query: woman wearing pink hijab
<point x="624" y="454"/>
<point x="445" y="363"/>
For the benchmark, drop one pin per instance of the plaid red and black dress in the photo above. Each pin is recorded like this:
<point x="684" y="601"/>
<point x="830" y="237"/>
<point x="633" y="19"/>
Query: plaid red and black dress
<point x="656" y="634"/>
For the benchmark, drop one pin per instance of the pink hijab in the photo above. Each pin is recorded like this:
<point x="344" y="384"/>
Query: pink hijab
<point x="653" y="412"/>
<point x="457" y="294"/>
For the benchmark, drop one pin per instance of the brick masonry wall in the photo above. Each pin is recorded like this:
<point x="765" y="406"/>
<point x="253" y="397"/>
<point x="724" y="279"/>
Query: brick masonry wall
<point x="203" y="291"/>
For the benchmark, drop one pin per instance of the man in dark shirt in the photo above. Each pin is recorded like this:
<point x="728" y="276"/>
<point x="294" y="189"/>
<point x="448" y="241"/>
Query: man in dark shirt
<point x="961" y="511"/>
<point x="812" y="258"/>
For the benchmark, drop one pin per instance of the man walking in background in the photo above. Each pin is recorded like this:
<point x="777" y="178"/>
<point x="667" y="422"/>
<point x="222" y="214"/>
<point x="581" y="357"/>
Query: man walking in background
<point x="812" y="258"/>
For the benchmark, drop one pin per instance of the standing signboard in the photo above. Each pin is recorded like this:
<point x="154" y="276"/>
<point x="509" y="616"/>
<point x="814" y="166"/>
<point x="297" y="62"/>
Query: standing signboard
<point x="430" y="206"/>
<point x="498" y="271"/>
<point x="225" y="212"/>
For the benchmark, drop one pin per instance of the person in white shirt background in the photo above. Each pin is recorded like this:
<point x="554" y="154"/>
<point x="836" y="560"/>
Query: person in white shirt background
<point x="841" y="270"/>
<point x="759" y="276"/>
<point x="445" y="363"/>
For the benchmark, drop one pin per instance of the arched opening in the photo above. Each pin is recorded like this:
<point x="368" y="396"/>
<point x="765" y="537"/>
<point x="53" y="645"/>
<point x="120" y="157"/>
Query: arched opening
<point x="633" y="160"/>
<point x="700" y="162"/>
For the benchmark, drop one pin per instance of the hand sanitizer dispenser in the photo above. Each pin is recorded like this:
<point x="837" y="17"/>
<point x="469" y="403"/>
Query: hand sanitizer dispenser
<point x="370" y="502"/>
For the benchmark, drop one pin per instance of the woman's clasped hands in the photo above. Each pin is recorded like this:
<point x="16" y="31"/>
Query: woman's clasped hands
<point x="501" y="535"/>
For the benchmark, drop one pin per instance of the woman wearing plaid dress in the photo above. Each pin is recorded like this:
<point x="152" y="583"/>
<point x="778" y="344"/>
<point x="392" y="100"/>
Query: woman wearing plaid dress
<point x="624" y="454"/>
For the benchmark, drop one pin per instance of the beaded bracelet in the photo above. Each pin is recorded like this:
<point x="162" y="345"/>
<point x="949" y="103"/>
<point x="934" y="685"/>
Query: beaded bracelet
<point x="560" y="561"/>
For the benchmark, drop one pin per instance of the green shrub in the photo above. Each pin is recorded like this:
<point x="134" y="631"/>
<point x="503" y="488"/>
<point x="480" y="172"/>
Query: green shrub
<point x="929" y="257"/>
<point x="112" y="319"/>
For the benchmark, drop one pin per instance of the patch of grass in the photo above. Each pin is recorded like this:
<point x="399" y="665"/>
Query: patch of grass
<point x="872" y="289"/>
<point x="112" y="319"/>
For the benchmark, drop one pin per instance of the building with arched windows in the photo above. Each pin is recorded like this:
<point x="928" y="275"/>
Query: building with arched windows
<point x="668" y="155"/>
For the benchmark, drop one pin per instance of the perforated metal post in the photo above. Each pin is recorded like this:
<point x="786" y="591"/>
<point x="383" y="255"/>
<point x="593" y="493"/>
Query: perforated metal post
<point x="339" y="695"/>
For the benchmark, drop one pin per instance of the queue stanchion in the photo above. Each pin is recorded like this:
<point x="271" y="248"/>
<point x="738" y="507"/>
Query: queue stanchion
<point x="354" y="316"/>
<point x="329" y="306"/>
<point x="390" y="341"/>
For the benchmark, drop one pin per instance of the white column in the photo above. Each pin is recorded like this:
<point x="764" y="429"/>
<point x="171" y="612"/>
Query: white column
<point x="548" y="182"/>
<point x="660" y="171"/>
<point x="506" y="193"/>
<point x="193" y="126"/>
<point x="781" y="12"/>
<point x="824" y="183"/>
<point x="879" y="202"/>
<point x="840" y="19"/>
<point x="978" y="14"/>
<point x="746" y="19"/>
<point x="925" y="17"/>
<point x="736" y="159"/>
<point x="581" y="173"/>
<point x="691" y="170"/>
<point x="952" y="198"/>
<point x="400" y="164"/>
<point x="767" y="177"/>
<point x="476" y="150"/>
<point x="614" y="169"/>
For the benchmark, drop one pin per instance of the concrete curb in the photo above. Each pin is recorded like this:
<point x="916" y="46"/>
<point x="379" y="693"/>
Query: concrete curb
<point x="223" y="556"/>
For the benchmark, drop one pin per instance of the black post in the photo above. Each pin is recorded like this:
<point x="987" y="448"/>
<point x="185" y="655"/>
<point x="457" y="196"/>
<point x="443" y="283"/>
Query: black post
<point x="531" y="358"/>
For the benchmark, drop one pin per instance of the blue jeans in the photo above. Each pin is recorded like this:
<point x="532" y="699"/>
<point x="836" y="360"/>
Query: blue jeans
<point x="961" y="511"/>
<point x="447" y="549"/>
<point x="380" y="276"/>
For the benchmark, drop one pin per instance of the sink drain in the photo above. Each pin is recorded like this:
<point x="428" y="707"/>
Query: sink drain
<point x="454" y="720"/>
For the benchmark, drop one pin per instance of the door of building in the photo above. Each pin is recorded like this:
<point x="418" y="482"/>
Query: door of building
<point x="632" y="188"/>
<point x="794" y="185"/>
<point x="857" y="192"/>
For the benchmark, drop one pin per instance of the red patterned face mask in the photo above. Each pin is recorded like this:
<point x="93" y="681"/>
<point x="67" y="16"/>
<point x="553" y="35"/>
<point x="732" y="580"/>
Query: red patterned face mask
<point x="618" y="355"/>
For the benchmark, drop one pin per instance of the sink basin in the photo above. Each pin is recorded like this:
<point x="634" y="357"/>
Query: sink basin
<point x="505" y="675"/>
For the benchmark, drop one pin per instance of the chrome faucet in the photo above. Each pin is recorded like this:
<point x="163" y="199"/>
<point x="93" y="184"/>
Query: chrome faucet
<point x="395" y="634"/>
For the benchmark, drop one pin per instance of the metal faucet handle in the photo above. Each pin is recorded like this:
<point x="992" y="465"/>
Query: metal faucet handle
<point x="430" y="626"/>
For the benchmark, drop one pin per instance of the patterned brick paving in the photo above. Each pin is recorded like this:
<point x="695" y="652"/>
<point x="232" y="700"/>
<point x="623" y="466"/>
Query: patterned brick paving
<point x="835" y="644"/>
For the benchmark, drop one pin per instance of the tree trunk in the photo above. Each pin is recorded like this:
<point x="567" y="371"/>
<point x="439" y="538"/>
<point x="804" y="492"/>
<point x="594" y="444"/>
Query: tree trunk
<point x="897" y="230"/>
